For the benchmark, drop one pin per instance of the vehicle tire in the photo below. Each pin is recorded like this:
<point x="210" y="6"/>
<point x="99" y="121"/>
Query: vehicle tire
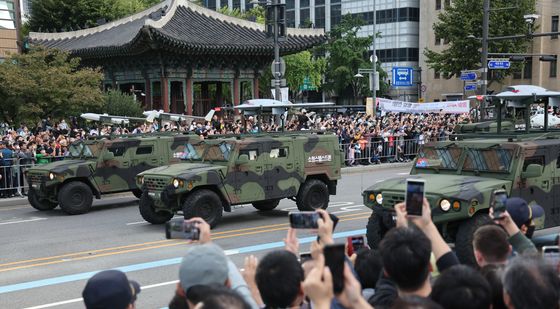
<point x="375" y="230"/>
<point x="39" y="204"/>
<point x="464" y="237"/>
<point x="267" y="205"/>
<point x="137" y="193"/>
<point x="75" y="198"/>
<point x="147" y="211"/>
<point x="205" y="204"/>
<point x="314" y="194"/>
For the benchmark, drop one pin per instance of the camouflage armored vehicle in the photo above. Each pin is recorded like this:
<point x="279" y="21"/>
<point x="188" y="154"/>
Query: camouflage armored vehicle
<point x="97" y="167"/>
<point x="259" y="169"/>
<point x="461" y="177"/>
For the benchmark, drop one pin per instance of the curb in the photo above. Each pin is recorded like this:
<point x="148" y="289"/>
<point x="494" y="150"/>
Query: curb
<point x="22" y="200"/>
<point x="365" y="168"/>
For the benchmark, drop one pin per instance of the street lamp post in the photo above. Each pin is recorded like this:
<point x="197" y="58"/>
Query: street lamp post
<point x="277" y="71"/>
<point x="484" y="60"/>
<point x="374" y="61"/>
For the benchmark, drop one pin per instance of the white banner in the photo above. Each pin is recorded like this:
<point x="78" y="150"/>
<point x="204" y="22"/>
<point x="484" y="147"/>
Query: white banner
<point x="449" y="107"/>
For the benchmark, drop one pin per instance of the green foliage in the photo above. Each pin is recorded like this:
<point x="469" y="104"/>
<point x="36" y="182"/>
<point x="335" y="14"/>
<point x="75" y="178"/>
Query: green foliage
<point x="302" y="65"/>
<point x="464" y="18"/>
<point x="122" y="104"/>
<point x="66" y="15"/>
<point x="256" y="14"/>
<point x="348" y="53"/>
<point x="45" y="83"/>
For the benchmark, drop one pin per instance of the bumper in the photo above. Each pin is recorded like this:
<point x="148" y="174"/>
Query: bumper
<point x="167" y="198"/>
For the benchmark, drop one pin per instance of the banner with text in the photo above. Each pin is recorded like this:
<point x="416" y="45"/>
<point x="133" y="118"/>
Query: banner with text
<point x="450" y="107"/>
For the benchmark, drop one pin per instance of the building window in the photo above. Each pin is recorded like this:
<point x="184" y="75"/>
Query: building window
<point x="304" y="20"/>
<point x="438" y="39"/>
<point x="236" y="4"/>
<point x="437" y="74"/>
<point x="291" y="18"/>
<point x="320" y="17"/>
<point x="336" y="15"/>
<point x="7" y="15"/>
<point x="290" y="4"/>
<point x="528" y="69"/>
<point x="303" y="3"/>
<point x="398" y="54"/>
<point x="447" y="4"/>
<point x="211" y="4"/>
<point x="223" y="3"/>
<point x="438" y="5"/>
<point x="554" y="26"/>
<point x="553" y="68"/>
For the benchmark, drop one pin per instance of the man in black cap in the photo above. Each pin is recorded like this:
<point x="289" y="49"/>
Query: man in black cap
<point x="110" y="289"/>
<point x="525" y="216"/>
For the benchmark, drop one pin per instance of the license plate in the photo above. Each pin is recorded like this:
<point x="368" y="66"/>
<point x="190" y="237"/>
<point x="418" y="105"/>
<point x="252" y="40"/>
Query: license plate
<point x="153" y="194"/>
<point x="34" y="185"/>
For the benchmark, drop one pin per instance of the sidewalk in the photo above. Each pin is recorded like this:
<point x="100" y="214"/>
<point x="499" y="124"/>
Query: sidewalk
<point x="18" y="201"/>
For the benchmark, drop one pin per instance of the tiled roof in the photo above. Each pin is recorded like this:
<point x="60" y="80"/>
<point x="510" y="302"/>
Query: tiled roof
<point x="184" y="27"/>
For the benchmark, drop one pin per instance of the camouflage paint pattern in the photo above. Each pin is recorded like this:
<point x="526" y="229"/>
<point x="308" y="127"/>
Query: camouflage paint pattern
<point x="131" y="155"/>
<point x="278" y="165"/>
<point x="503" y="162"/>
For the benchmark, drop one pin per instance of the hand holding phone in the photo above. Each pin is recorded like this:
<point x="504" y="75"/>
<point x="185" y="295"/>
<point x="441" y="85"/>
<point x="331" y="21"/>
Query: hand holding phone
<point x="181" y="229"/>
<point x="551" y="255"/>
<point x="499" y="203"/>
<point x="354" y="244"/>
<point x="304" y="220"/>
<point x="334" y="259"/>
<point x="414" y="199"/>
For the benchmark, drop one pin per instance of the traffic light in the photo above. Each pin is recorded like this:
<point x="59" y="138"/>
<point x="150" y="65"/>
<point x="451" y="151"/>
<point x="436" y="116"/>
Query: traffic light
<point x="276" y="19"/>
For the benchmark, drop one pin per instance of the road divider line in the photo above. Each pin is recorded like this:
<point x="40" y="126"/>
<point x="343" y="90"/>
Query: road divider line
<point x="173" y="243"/>
<point x="23" y="221"/>
<point x="89" y="252"/>
<point x="155" y="264"/>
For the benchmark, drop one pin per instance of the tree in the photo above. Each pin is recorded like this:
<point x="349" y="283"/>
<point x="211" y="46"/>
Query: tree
<point x="122" y="104"/>
<point x="346" y="54"/>
<point x="45" y="83"/>
<point x="66" y="15"/>
<point x="302" y="65"/>
<point x="464" y="19"/>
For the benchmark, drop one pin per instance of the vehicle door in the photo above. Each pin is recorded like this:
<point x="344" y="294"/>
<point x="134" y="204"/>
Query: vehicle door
<point x="112" y="173"/>
<point x="538" y="189"/>
<point x="280" y="174"/>
<point x="145" y="156"/>
<point x="554" y="212"/>
<point x="249" y="184"/>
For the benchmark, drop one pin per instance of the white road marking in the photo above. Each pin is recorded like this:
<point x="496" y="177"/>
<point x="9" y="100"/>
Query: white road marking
<point x="138" y="222"/>
<point x="403" y="173"/>
<point x="331" y="205"/>
<point x="348" y="209"/>
<point x="23" y="221"/>
<point x="75" y="300"/>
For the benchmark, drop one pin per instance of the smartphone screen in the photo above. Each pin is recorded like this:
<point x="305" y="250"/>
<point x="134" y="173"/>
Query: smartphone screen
<point x="304" y="257"/>
<point x="499" y="203"/>
<point x="334" y="259"/>
<point x="354" y="243"/>
<point x="180" y="229"/>
<point x="414" y="197"/>
<point x="551" y="255"/>
<point x="304" y="220"/>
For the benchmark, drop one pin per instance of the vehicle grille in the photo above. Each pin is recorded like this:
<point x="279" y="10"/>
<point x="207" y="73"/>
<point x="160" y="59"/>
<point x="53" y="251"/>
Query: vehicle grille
<point x="155" y="184"/>
<point x="391" y="199"/>
<point x="36" y="178"/>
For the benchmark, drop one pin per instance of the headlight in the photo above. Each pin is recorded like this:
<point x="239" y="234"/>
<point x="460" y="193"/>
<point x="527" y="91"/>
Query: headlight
<point x="379" y="198"/>
<point x="444" y="205"/>
<point x="141" y="179"/>
<point x="176" y="183"/>
<point x="51" y="176"/>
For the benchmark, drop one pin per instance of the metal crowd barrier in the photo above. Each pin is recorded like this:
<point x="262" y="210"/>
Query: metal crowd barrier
<point x="12" y="180"/>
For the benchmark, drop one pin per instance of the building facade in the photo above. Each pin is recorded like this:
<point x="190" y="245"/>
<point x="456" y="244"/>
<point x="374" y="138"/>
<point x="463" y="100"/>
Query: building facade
<point x="534" y="71"/>
<point x="397" y="23"/>
<point x="8" y="35"/>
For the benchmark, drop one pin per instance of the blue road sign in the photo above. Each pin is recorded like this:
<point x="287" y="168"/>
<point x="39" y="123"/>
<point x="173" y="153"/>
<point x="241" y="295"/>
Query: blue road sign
<point x="468" y="76"/>
<point x="402" y="76"/>
<point x="470" y="87"/>
<point x="499" y="64"/>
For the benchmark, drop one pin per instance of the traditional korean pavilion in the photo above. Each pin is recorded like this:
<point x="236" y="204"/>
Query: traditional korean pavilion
<point x="180" y="57"/>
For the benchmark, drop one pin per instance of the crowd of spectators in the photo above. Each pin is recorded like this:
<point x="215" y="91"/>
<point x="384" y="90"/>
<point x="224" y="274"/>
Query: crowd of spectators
<point x="401" y="273"/>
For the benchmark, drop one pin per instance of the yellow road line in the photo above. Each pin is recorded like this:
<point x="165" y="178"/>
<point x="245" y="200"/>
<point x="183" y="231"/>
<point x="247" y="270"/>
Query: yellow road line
<point x="169" y="244"/>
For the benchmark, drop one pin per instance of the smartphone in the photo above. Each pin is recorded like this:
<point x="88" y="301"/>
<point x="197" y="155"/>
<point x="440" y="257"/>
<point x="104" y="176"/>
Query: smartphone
<point x="304" y="220"/>
<point x="354" y="243"/>
<point x="304" y="257"/>
<point x="551" y="254"/>
<point x="181" y="229"/>
<point x="499" y="203"/>
<point x="414" y="196"/>
<point x="334" y="259"/>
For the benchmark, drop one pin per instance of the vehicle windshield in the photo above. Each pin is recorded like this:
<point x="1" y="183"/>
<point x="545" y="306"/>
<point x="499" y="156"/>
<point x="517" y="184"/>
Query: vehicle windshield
<point x="488" y="160"/>
<point x="439" y="158"/>
<point x="80" y="149"/>
<point x="202" y="151"/>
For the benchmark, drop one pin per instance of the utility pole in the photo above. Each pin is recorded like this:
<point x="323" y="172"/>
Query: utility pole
<point x="277" y="73"/>
<point x="373" y="57"/>
<point x="484" y="60"/>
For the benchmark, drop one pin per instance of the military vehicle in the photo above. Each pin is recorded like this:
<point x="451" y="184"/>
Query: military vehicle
<point x="261" y="169"/>
<point x="100" y="166"/>
<point x="462" y="174"/>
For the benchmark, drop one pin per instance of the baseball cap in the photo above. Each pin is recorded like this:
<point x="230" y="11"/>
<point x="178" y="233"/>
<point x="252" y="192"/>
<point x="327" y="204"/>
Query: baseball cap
<point x="203" y="265"/>
<point x="521" y="212"/>
<point x="110" y="289"/>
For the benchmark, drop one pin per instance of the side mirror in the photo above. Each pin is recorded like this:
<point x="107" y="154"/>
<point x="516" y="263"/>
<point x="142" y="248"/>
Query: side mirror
<point x="243" y="159"/>
<point x="108" y="156"/>
<point x="532" y="171"/>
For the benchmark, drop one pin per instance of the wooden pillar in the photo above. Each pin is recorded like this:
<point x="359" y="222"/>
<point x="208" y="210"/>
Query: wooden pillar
<point x="255" y="88"/>
<point x="236" y="92"/>
<point x="219" y="99"/>
<point x="148" y="93"/>
<point x="165" y="94"/>
<point x="189" y="94"/>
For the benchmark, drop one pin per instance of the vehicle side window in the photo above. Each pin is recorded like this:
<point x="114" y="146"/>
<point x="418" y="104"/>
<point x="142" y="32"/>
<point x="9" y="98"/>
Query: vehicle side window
<point x="144" y="150"/>
<point x="533" y="160"/>
<point x="252" y="154"/>
<point x="117" y="151"/>
<point x="279" y="152"/>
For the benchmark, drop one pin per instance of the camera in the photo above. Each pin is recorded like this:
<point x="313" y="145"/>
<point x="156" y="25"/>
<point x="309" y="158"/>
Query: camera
<point x="181" y="229"/>
<point x="531" y="18"/>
